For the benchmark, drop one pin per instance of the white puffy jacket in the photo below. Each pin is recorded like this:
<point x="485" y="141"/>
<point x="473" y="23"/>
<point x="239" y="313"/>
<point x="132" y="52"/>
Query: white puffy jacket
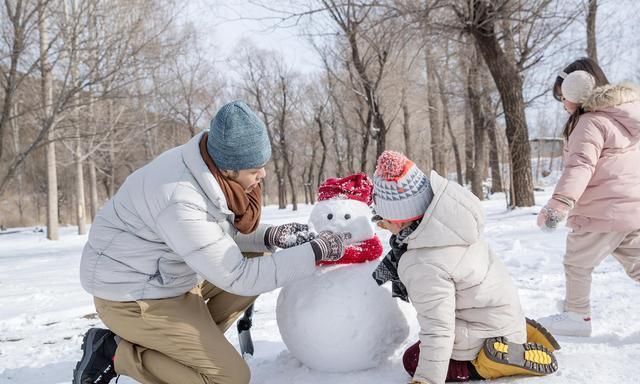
<point x="462" y="292"/>
<point x="169" y="223"/>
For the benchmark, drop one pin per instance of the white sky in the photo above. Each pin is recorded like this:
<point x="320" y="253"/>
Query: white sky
<point x="222" y="24"/>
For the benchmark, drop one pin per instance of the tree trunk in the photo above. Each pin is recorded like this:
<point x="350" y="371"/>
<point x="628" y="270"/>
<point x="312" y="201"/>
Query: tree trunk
<point x="494" y="158"/>
<point x="112" y="171"/>
<point x="592" y="47"/>
<point x="309" y="181"/>
<point x="284" y="151"/>
<point x="406" y="125"/>
<point x="93" y="189"/>
<point x="80" y="208"/>
<point x="16" y="148"/>
<point x="323" y="143"/>
<point x="447" y="123"/>
<point x="47" y="101"/>
<point x="479" y="132"/>
<point x="435" y="121"/>
<point x="364" y="149"/>
<point x="509" y="84"/>
<point x="468" y="140"/>
<point x="340" y="156"/>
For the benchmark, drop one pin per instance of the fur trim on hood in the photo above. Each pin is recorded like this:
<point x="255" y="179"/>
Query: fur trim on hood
<point x="611" y="96"/>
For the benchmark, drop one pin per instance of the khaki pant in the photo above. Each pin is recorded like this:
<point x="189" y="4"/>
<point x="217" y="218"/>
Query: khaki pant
<point x="587" y="250"/>
<point x="178" y="340"/>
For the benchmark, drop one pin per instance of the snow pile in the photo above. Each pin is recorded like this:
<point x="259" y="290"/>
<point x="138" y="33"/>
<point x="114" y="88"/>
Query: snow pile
<point x="340" y="320"/>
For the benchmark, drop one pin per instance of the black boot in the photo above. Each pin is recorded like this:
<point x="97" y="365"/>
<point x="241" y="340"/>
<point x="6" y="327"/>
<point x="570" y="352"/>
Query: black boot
<point x="98" y="350"/>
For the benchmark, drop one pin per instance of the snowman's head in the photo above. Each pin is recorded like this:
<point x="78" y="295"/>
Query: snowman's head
<point x="342" y="215"/>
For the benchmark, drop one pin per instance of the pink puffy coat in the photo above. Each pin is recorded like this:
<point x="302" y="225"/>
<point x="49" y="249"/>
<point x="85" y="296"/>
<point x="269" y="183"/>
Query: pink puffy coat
<point x="602" y="163"/>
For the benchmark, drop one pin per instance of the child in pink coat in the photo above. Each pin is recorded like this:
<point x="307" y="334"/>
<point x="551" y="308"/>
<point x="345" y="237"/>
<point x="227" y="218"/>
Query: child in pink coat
<point x="599" y="189"/>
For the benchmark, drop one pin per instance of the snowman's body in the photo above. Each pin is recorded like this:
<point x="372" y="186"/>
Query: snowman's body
<point x="339" y="319"/>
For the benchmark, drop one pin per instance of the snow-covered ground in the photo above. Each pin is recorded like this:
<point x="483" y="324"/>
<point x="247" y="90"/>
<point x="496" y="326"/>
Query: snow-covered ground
<point x="44" y="311"/>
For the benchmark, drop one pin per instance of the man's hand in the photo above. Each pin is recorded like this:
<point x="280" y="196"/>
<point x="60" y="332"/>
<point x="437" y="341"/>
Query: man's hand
<point x="329" y="246"/>
<point x="288" y="235"/>
<point x="552" y="214"/>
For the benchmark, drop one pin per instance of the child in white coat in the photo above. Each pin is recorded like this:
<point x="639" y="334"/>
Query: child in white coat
<point x="471" y="322"/>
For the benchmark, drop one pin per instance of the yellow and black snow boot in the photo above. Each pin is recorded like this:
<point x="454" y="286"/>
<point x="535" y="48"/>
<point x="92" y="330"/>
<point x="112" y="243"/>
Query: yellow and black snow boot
<point x="501" y="358"/>
<point x="536" y="333"/>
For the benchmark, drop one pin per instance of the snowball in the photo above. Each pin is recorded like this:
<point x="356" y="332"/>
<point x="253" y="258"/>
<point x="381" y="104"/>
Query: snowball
<point x="343" y="216"/>
<point x="340" y="320"/>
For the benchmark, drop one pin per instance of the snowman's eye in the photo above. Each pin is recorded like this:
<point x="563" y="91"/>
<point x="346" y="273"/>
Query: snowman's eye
<point x="330" y="216"/>
<point x="347" y="216"/>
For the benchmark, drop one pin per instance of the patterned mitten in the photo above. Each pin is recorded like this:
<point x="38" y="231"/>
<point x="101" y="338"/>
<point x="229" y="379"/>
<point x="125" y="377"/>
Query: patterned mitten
<point x="288" y="235"/>
<point x="552" y="214"/>
<point x="328" y="246"/>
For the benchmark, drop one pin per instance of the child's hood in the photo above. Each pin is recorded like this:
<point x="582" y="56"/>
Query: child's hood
<point x="620" y="102"/>
<point x="454" y="218"/>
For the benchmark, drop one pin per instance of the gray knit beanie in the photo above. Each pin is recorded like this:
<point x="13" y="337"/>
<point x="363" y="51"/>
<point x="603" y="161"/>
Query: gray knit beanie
<point x="238" y="139"/>
<point x="401" y="191"/>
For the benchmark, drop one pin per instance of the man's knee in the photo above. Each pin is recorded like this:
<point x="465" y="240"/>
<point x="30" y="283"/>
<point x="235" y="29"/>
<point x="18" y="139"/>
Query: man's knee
<point x="233" y="371"/>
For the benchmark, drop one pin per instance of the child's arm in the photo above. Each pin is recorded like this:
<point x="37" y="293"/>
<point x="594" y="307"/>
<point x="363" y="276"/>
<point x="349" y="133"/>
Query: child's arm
<point x="584" y="146"/>
<point x="432" y="293"/>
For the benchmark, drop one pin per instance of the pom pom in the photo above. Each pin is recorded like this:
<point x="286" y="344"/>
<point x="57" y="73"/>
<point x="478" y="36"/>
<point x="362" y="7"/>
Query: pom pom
<point x="391" y="165"/>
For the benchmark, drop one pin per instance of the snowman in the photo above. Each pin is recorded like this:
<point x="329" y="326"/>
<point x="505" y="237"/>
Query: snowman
<point x="339" y="319"/>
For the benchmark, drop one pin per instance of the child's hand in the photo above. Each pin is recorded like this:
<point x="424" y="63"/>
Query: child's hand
<point x="552" y="214"/>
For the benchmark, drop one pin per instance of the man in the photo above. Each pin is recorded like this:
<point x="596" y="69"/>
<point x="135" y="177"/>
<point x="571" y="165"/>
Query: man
<point x="191" y="211"/>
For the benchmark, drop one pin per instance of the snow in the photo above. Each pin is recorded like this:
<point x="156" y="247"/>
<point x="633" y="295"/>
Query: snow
<point x="340" y="320"/>
<point x="44" y="311"/>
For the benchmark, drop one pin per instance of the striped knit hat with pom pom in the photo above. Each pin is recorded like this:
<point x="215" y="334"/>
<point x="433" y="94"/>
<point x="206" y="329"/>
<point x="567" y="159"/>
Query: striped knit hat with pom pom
<point x="401" y="191"/>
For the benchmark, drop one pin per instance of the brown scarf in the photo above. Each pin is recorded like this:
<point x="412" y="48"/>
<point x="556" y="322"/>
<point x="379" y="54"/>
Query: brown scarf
<point x="247" y="207"/>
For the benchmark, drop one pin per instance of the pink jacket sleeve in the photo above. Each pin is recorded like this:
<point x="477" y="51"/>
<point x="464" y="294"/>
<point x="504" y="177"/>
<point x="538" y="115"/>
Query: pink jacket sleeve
<point x="584" y="149"/>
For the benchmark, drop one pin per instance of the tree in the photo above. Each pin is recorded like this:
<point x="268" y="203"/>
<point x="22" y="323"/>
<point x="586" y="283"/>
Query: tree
<point x="481" y="24"/>
<point x="46" y="89"/>
<point x="592" y="47"/>
<point x="370" y="46"/>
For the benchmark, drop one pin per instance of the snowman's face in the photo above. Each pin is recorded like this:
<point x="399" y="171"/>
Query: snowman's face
<point x="343" y="216"/>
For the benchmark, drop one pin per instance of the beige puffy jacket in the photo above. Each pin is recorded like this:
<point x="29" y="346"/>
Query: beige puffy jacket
<point x="462" y="292"/>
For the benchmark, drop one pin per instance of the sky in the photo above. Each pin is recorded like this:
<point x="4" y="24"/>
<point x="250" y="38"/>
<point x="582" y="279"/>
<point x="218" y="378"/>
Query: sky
<point x="223" y="24"/>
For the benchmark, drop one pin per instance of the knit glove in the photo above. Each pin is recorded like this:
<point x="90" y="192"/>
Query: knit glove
<point x="552" y="214"/>
<point x="329" y="246"/>
<point x="288" y="235"/>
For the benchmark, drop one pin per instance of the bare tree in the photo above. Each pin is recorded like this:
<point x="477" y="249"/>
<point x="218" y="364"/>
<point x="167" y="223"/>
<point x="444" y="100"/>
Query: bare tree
<point x="193" y="91"/>
<point x="443" y="79"/>
<point x="23" y="17"/>
<point x="479" y="128"/>
<point x="47" y="117"/>
<point x="592" y="47"/>
<point x="369" y="62"/>
<point x="435" y="116"/>
<point x="480" y="19"/>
